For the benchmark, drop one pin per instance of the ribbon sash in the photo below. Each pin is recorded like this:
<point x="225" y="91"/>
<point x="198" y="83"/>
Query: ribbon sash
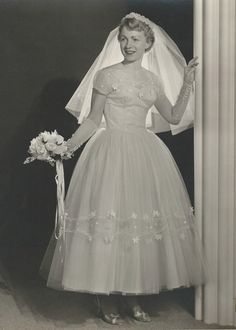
<point x="60" y="211"/>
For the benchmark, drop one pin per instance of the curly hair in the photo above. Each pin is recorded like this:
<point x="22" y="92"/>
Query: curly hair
<point x="134" y="24"/>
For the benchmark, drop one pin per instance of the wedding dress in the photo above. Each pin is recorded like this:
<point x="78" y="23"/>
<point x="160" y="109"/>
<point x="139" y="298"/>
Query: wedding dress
<point x="130" y="226"/>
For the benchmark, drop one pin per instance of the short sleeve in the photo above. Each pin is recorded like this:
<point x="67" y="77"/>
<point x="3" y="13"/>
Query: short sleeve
<point x="102" y="82"/>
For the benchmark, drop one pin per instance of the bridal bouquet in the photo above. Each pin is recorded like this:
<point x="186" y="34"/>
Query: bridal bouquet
<point x="52" y="148"/>
<point x="48" y="147"/>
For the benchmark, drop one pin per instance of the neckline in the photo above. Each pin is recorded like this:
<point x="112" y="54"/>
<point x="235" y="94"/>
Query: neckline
<point x="128" y="66"/>
<point x="141" y="70"/>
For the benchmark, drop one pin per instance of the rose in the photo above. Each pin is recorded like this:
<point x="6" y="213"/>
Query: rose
<point x="43" y="157"/>
<point x="37" y="147"/>
<point x="44" y="136"/>
<point x="60" y="139"/>
<point x="32" y="147"/>
<point x="56" y="149"/>
<point x="54" y="137"/>
<point x="60" y="149"/>
<point x="41" y="152"/>
<point x="50" y="146"/>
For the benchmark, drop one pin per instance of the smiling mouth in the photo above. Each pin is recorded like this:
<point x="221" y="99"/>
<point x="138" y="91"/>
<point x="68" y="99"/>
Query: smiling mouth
<point x="129" y="52"/>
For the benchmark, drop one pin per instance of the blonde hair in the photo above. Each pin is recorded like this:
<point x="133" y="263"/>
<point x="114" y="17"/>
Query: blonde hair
<point x="135" y="24"/>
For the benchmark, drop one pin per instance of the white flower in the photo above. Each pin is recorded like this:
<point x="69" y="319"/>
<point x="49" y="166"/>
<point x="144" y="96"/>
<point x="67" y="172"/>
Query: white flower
<point x="32" y="147"/>
<point x="134" y="215"/>
<point x="44" y="136"/>
<point x="156" y="213"/>
<point x="52" y="137"/>
<point x="37" y="149"/>
<point x="108" y="239"/>
<point x="60" y="149"/>
<point x="135" y="239"/>
<point x="44" y="157"/>
<point x="114" y="87"/>
<point x="111" y="214"/>
<point x="158" y="236"/>
<point x="60" y="139"/>
<point x="47" y="147"/>
<point x="50" y="146"/>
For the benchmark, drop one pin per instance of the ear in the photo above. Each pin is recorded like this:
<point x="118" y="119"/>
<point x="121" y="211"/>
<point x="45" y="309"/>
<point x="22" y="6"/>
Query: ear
<point x="148" y="44"/>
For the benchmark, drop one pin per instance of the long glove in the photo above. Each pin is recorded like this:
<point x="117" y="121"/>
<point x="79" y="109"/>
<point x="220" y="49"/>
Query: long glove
<point x="174" y="113"/>
<point x="82" y="134"/>
<point x="180" y="106"/>
<point x="182" y="101"/>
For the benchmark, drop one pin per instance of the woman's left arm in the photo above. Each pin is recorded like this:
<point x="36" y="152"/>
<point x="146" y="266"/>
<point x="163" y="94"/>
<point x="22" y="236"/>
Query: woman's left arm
<point x="174" y="113"/>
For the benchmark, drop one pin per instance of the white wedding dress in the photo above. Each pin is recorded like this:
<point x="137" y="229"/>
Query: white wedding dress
<point x="130" y="226"/>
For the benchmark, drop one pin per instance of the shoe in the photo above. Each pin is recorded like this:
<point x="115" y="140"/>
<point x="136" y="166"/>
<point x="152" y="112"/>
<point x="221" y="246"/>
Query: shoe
<point x="139" y="315"/>
<point x="111" y="318"/>
<point x="135" y="312"/>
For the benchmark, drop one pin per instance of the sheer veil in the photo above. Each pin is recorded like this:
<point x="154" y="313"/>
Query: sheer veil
<point x="164" y="59"/>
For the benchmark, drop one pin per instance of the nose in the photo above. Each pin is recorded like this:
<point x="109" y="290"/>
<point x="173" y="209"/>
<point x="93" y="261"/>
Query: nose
<point x="128" y="44"/>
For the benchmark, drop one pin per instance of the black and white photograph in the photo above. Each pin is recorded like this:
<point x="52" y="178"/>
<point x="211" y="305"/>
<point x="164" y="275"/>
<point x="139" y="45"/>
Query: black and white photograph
<point x="118" y="164"/>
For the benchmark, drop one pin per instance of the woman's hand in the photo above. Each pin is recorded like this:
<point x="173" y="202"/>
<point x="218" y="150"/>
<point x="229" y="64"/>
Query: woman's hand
<point x="70" y="149"/>
<point x="189" y="70"/>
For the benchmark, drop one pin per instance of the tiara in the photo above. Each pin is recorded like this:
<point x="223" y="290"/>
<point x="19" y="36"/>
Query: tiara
<point x="139" y="17"/>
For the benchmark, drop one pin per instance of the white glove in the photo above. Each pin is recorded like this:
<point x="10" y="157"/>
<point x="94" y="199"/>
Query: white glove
<point x="82" y="134"/>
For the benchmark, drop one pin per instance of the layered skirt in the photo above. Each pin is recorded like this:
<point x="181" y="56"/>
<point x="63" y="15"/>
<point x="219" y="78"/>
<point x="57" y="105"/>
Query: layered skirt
<point x="130" y="227"/>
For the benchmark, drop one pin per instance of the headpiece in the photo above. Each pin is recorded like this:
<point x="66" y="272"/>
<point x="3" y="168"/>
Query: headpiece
<point x="139" y="18"/>
<point x="164" y="59"/>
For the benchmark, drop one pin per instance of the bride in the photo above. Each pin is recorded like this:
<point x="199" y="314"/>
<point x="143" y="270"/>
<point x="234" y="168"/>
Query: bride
<point x="129" y="224"/>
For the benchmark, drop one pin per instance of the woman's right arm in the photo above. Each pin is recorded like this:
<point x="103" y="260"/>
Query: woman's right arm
<point x="90" y="125"/>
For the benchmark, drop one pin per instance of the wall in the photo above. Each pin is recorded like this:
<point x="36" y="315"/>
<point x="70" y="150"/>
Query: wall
<point x="47" y="47"/>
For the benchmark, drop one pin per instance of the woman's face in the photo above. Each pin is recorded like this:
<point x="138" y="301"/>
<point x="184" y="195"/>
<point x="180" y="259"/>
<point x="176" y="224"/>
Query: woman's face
<point x="132" y="44"/>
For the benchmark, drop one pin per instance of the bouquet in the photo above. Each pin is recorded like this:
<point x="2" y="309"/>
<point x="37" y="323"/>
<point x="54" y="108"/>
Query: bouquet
<point x="52" y="148"/>
<point x="48" y="147"/>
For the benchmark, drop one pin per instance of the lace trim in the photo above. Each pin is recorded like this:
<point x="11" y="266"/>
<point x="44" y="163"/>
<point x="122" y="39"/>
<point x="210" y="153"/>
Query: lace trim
<point x="141" y="89"/>
<point x="132" y="229"/>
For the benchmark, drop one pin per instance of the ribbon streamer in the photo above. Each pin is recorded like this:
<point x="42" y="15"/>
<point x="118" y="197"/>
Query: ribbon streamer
<point x="60" y="212"/>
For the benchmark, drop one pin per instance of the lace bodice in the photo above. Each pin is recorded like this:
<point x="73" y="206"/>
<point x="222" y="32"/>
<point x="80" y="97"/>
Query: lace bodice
<point x="129" y="96"/>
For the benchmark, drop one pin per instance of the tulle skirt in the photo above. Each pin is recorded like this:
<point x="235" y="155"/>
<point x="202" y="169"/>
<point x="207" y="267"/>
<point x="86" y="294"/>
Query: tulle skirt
<point x="130" y="226"/>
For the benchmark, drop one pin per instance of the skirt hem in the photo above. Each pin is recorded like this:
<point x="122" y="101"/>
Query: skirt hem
<point x="154" y="292"/>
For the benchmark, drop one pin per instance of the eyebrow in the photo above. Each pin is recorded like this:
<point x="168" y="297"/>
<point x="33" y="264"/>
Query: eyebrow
<point x="134" y="36"/>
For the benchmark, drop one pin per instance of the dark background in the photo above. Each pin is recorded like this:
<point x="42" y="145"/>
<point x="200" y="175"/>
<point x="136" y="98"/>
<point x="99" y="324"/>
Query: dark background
<point x="46" y="48"/>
